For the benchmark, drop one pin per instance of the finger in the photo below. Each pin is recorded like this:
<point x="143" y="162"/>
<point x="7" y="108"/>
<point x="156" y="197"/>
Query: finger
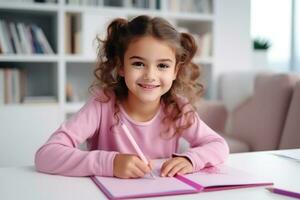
<point x="185" y="170"/>
<point x="142" y="166"/>
<point x="168" y="165"/>
<point x="176" y="168"/>
<point x="137" y="173"/>
<point x="151" y="165"/>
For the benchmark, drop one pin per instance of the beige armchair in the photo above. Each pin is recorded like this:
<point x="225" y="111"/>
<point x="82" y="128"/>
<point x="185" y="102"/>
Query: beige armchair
<point x="257" y="122"/>
<point x="291" y="133"/>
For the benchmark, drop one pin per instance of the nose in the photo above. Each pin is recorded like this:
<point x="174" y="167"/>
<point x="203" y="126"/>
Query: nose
<point x="150" y="73"/>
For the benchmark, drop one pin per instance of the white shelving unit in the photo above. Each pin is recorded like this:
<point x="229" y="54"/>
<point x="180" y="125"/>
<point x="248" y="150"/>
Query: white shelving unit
<point x="24" y="127"/>
<point x="68" y="68"/>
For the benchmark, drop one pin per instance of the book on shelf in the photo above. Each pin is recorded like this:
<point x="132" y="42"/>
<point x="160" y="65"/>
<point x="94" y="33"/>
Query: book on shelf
<point x="13" y="88"/>
<point x="19" y="38"/>
<point x="209" y="179"/>
<point x="11" y="85"/>
<point x="5" y="39"/>
<point x="73" y="43"/>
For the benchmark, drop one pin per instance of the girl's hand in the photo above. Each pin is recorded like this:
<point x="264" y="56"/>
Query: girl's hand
<point x="176" y="165"/>
<point x="129" y="166"/>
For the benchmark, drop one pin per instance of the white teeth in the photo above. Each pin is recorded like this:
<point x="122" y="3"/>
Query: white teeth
<point x="148" y="86"/>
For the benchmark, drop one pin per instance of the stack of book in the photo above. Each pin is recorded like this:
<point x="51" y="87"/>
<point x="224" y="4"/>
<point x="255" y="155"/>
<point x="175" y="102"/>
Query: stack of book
<point x="10" y="85"/>
<point x="19" y="38"/>
<point x="13" y="88"/>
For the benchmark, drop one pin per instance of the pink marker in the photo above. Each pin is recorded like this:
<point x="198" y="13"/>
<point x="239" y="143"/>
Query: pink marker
<point x="284" y="192"/>
<point x="135" y="145"/>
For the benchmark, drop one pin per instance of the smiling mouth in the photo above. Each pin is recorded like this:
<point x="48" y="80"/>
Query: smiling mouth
<point x="147" y="86"/>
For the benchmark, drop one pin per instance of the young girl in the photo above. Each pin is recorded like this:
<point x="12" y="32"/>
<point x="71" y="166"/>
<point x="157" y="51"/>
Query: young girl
<point x="145" y="79"/>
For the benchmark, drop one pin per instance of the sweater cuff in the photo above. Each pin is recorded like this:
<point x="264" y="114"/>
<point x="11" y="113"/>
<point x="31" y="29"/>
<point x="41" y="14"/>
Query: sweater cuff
<point x="105" y="165"/>
<point x="197" y="164"/>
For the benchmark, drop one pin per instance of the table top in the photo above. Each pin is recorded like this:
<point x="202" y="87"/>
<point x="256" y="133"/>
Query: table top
<point x="25" y="183"/>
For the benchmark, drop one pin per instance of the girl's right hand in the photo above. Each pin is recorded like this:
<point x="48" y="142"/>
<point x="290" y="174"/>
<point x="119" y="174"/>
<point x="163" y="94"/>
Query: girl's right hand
<point x="129" y="166"/>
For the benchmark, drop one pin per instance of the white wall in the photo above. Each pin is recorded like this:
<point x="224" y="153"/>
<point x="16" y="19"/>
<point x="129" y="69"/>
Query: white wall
<point x="232" y="41"/>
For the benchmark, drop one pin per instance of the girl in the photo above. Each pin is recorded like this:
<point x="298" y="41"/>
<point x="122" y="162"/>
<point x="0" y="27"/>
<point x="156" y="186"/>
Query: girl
<point x="145" y="79"/>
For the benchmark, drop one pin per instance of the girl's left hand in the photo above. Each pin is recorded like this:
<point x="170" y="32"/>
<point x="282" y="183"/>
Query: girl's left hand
<point x="176" y="165"/>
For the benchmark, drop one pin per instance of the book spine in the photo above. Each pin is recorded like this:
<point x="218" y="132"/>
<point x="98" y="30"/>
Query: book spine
<point x="43" y="41"/>
<point x="15" y="37"/>
<point x="26" y="49"/>
<point x="4" y="48"/>
<point x="8" y="48"/>
<point x="39" y="48"/>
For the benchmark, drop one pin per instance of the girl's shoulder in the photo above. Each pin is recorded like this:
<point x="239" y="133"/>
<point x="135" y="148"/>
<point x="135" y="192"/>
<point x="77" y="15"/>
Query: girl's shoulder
<point x="105" y="98"/>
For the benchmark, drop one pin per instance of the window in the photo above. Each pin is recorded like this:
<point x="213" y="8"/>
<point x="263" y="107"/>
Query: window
<point x="273" y="20"/>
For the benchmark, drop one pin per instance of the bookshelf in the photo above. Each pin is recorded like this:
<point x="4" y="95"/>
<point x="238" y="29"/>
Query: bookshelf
<point x="69" y="26"/>
<point x="48" y="76"/>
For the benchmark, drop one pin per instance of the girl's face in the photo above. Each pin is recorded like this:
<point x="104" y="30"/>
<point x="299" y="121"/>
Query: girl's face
<point x="149" y="69"/>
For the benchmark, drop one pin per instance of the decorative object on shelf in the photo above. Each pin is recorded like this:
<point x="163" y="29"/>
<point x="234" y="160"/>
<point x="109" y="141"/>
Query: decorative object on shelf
<point x="259" y="55"/>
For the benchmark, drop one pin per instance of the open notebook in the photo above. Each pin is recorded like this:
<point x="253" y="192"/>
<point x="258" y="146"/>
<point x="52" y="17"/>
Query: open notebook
<point x="210" y="179"/>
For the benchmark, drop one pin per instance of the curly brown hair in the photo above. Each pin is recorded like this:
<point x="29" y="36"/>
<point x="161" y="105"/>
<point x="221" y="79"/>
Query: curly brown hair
<point x="111" y="50"/>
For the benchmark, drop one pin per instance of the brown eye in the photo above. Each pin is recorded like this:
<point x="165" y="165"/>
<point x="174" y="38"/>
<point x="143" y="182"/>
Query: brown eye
<point x="138" y="64"/>
<point x="163" y="66"/>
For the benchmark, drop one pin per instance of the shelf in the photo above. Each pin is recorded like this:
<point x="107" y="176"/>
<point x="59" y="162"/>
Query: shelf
<point x="28" y="105"/>
<point x="36" y="7"/>
<point x="79" y="59"/>
<point x="138" y="11"/>
<point x="28" y="58"/>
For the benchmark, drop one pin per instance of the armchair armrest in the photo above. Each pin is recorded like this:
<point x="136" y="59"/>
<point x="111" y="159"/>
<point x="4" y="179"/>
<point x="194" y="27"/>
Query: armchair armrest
<point x="214" y="114"/>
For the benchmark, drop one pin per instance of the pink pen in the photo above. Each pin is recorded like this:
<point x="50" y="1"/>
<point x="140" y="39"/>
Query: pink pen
<point x="135" y="145"/>
<point x="284" y="192"/>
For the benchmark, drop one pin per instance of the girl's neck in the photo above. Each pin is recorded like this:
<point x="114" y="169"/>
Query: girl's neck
<point x="140" y="111"/>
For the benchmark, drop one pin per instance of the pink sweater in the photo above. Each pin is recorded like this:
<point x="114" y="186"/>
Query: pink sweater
<point x="93" y="123"/>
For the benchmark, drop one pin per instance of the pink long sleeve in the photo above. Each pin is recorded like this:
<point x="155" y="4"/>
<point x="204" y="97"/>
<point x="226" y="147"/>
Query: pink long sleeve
<point x="60" y="154"/>
<point x="207" y="148"/>
<point x="96" y="125"/>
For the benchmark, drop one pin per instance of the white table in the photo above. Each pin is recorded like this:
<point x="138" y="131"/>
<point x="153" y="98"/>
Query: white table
<point x="25" y="183"/>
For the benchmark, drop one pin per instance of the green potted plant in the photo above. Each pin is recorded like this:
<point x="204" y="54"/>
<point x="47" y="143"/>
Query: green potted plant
<point x="260" y="48"/>
<point x="261" y="44"/>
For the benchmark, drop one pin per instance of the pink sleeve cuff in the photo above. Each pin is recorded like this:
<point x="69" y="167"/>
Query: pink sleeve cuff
<point x="105" y="164"/>
<point x="197" y="166"/>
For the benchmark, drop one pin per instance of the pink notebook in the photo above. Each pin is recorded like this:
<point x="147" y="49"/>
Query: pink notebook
<point x="210" y="179"/>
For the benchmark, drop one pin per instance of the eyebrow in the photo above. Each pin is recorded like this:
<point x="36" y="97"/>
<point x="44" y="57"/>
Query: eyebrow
<point x="161" y="60"/>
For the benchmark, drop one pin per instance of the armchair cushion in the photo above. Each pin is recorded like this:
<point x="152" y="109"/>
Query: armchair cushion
<point x="291" y="133"/>
<point x="214" y="114"/>
<point x="259" y="122"/>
